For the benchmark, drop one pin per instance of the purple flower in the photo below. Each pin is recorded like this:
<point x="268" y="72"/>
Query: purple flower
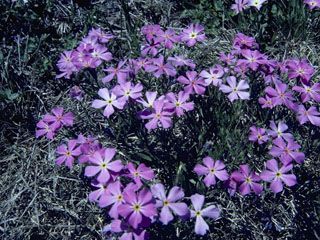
<point x="102" y="36"/>
<point x="76" y="93"/>
<point x="109" y="101"/>
<point x="159" y="115"/>
<point x="179" y="104"/>
<point x="139" y="173"/>
<point x="151" y="97"/>
<point x="280" y="95"/>
<point x="150" y="31"/>
<point x="212" y="170"/>
<point x="279" y="131"/>
<point x="59" y="118"/>
<point x="169" y="204"/>
<point x="258" y="135"/>
<point x="88" y="147"/>
<point x="213" y="76"/>
<point x="236" y="91"/>
<point x="126" y="90"/>
<point x="168" y="38"/>
<point x="100" y="53"/>
<point x="199" y="212"/>
<point x="67" y="64"/>
<point x="137" y="206"/>
<point x="193" y="83"/>
<point x="120" y="72"/>
<point x="44" y="128"/>
<point x="242" y="41"/>
<point x="103" y="166"/>
<point x="228" y="59"/>
<point x="287" y="151"/>
<point x="101" y="189"/>
<point x="68" y="153"/>
<point x="300" y="69"/>
<point x="312" y="3"/>
<point x="158" y="67"/>
<point x="278" y="176"/>
<point x="113" y="196"/>
<point x="192" y="34"/>
<point x="179" y="61"/>
<point x="239" y="6"/>
<point x="266" y="102"/>
<point x="309" y="92"/>
<point x="311" y="115"/>
<point x="151" y="48"/>
<point x="252" y="59"/>
<point x="248" y="180"/>
<point x="256" y="3"/>
<point x="120" y="226"/>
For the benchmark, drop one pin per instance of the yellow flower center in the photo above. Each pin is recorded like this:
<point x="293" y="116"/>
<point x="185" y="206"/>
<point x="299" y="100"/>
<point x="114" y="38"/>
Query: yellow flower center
<point x="136" y="207"/>
<point x="178" y="104"/>
<point x="119" y="198"/>
<point x="198" y="213"/>
<point x="165" y="203"/>
<point x="248" y="180"/>
<point x="193" y="35"/>
<point x="278" y="174"/>
<point x="68" y="153"/>
<point x="103" y="165"/>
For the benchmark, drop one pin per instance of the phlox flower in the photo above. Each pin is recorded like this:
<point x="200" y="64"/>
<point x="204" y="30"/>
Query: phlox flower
<point x="76" y="93"/>
<point x="252" y="59"/>
<point x="179" y="103"/>
<point x="88" y="146"/>
<point x="242" y="41"/>
<point x="212" y="169"/>
<point x="213" y="76"/>
<point x="158" y="67"/>
<point x="311" y="115"/>
<point x="201" y="227"/>
<point x="139" y="64"/>
<point x="193" y="83"/>
<point x="44" y="128"/>
<point x="101" y="164"/>
<point x="120" y="72"/>
<point x="68" y="153"/>
<point x="256" y="3"/>
<point x="160" y="115"/>
<point x="167" y="38"/>
<point x="120" y="226"/>
<point x="101" y="35"/>
<point x="228" y="59"/>
<point x="278" y="131"/>
<point x="248" y="180"/>
<point x="258" y="135"/>
<point x="235" y="90"/>
<point x="179" y="61"/>
<point x="239" y="6"/>
<point x="100" y="53"/>
<point x="109" y="102"/>
<point x="168" y="203"/>
<point x="150" y="31"/>
<point x="300" y="69"/>
<point x="266" y="102"/>
<point x="280" y="95"/>
<point x="67" y="64"/>
<point x="112" y="196"/>
<point x="192" y="34"/>
<point x="139" y="173"/>
<point x="59" y="117"/>
<point x="151" y="48"/>
<point x="278" y="176"/>
<point x="308" y="92"/>
<point x="287" y="151"/>
<point x="138" y="206"/>
<point x="312" y="4"/>
<point x="126" y="90"/>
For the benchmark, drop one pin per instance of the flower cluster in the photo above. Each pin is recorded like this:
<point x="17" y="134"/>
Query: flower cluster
<point x="50" y="124"/>
<point x="129" y="192"/>
<point x="241" y="5"/>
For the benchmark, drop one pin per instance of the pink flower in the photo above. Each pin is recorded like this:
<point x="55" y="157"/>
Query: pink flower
<point x="137" y="207"/>
<point x="213" y="76"/>
<point x="109" y="102"/>
<point x="311" y="115"/>
<point x="199" y="212"/>
<point x="160" y="115"/>
<point x="248" y="180"/>
<point x="193" y="83"/>
<point x="278" y="176"/>
<point x="139" y="173"/>
<point x="192" y="34"/>
<point x="309" y="92"/>
<point x="158" y="67"/>
<point x="128" y="90"/>
<point x="258" y="135"/>
<point x="120" y="72"/>
<point x="44" y="128"/>
<point x="236" y="91"/>
<point x="59" y="118"/>
<point x="102" y="166"/>
<point x="68" y="153"/>
<point x="212" y="170"/>
<point x="287" y="151"/>
<point x="168" y="203"/>
<point x="179" y="104"/>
